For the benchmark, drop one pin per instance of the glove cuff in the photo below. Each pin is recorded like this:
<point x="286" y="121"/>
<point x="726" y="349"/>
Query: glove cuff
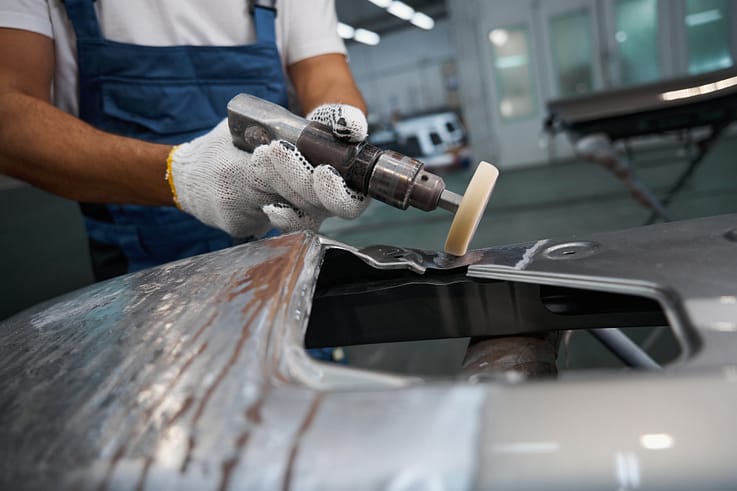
<point x="170" y="176"/>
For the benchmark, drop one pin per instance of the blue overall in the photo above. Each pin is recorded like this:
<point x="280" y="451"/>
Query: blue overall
<point x="164" y="95"/>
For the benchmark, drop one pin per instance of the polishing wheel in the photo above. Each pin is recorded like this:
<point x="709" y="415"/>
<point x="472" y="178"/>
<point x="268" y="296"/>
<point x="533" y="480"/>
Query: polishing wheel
<point x="471" y="209"/>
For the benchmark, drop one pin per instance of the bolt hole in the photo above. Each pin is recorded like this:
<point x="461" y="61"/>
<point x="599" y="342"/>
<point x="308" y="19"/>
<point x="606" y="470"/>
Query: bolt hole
<point x="424" y="178"/>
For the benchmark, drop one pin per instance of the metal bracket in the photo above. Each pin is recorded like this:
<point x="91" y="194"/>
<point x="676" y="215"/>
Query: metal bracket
<point x="393" y="257"/>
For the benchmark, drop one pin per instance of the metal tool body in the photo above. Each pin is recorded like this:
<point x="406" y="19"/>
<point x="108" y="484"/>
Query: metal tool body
<point x="388" y="176"/>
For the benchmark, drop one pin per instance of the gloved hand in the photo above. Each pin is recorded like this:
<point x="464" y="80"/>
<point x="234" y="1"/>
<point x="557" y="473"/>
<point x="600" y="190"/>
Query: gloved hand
<point x="246" y="194"/>
<point x="347" y="122"/>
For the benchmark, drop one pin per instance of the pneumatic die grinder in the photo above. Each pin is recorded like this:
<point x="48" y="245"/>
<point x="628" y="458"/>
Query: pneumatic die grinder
<point x="388" y="176"/>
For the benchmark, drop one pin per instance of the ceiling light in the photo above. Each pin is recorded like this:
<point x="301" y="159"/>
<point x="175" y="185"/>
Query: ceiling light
<point x="366" y="37"/>
<point x="657" y="441"/>
<point x="422" y="21"/>
<point x="345" y="31"/>
<point x="381" y="3"/>
<point x="704" y="17"/>
<point x="401" y="10"/>
<point x="499" y="37"/>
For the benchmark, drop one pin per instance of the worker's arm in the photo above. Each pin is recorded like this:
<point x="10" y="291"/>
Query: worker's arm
<point x="325" y="79"/>
<point x="55" y="151"/>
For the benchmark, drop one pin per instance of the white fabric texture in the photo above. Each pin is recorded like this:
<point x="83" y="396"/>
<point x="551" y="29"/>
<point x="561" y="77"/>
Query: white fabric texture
<point x="303" y="29"/>
<point x="246" y="194"/>
<point x="347" y="122"/>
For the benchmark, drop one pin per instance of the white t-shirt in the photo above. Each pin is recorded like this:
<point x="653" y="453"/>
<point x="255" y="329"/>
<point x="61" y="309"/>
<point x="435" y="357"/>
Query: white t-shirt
<point x="304" y="28"/>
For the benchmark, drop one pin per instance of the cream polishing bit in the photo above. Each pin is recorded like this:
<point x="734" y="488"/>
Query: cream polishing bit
<point x="471" y="209"/>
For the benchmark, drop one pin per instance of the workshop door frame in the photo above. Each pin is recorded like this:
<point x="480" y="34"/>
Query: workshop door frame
<point x="520" y="140"/>
<point x="559" y="146"/>
<point x="514" y="142"/>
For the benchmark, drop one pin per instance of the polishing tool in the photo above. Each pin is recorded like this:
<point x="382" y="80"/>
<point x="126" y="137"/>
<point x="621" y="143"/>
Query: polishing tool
<point x="388" y="176"/>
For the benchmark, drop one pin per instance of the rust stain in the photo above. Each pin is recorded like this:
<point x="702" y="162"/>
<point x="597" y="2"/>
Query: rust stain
<point x="113" y="462"/>
<point x="264" y="282"/>
<point x="294" y="243"/>
<point x="149" y="411"/>
<point x="183" y="409"/>
<point x="274" y="365"/>
<point x="253" y="417"/>
<point x="230" y="464"/>
<point x="309" y="418"/>
<point x="144" y="473"/>
<point x="188" y="455"/>
<point x="253" y="413"/>
<point x="227" y="467"/>
<point x="204" y="326"/>
<point x="242" y="439"/>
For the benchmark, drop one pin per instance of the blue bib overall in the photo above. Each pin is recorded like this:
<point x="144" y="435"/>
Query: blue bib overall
<point x="164" y="95"/>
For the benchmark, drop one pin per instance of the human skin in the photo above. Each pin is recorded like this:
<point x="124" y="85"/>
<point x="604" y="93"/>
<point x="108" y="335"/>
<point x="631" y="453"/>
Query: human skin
<point x="59" y="153"/>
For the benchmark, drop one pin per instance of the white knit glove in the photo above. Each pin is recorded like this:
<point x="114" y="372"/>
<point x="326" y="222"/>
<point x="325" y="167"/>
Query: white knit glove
<point x="246" y="194"/>
<point x="347" y="122"/>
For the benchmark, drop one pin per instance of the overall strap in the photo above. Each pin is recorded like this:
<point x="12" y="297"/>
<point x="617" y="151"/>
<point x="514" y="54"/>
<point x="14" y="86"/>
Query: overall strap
<point x="84" y="18"/>
<point x="264" y="20"/>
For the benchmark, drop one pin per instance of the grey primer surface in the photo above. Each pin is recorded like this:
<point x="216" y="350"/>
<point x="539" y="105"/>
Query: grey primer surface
<point x="193" y="375"/>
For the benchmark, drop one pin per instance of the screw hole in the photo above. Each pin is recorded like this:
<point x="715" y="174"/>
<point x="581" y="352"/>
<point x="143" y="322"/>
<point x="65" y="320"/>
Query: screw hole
<point x="424" y="178"/>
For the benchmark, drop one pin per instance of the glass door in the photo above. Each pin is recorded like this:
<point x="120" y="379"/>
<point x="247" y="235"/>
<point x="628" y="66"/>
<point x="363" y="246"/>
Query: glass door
<point x="574" y="56"/>
<point x="511" y="52"/>
<point x="708" y="37"/>
<point x="509" y="58"/>
<point x="637" y="38"/>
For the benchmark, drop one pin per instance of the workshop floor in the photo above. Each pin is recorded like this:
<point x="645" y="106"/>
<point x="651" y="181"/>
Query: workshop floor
<point x="43" y="250"/>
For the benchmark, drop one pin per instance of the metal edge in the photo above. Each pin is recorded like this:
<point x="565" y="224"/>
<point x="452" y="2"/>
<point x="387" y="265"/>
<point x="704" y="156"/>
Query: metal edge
<point x="668" y="299"/>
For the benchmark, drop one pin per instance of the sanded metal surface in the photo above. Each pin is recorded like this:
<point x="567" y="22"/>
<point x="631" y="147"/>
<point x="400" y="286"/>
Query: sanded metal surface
<point x="192" y="375"/>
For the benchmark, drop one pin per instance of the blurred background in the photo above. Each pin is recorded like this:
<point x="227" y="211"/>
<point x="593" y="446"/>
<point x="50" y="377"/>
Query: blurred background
<point x="458" y="81"/>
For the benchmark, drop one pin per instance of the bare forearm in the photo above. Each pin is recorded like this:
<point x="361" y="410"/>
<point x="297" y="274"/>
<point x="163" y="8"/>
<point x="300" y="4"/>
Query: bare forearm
<point x="337" y="92"/>
<point x="325" y="79"/>
<point x="338" y="89"/>
<point x="59" y="153"/>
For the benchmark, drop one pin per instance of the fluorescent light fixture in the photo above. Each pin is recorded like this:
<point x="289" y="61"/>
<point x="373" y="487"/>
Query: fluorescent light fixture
<point x="422" y="21"/>
<point x="511" y="61"/>
<point x="345" y="31"/>
<point x="656" y="441"/>
<point x="499" y="37"/>
<point x="700" y="90"/>
<point x="366" y="37"/>
<point x="526" y="447"/>
<point x="401" y="10"/>
<point x="381" y="3"/>
<point x="704" y="17"/>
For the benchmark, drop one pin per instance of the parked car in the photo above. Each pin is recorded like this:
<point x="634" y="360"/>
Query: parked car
<point x="438" y="139"/>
